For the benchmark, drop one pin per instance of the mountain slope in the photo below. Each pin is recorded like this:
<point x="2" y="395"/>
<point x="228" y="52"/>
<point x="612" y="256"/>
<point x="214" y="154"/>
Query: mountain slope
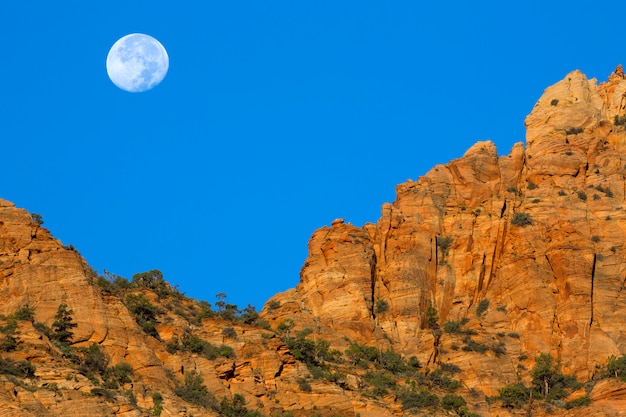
<point x="488" y="288"/>
<point x="536" y="235"/>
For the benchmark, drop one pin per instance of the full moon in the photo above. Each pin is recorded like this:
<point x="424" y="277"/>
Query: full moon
<point x="137" y="62"/>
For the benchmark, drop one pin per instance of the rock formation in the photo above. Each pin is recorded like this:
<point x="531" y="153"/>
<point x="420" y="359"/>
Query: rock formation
<point x="538" y="234"/>
<point x="476" y="269"/>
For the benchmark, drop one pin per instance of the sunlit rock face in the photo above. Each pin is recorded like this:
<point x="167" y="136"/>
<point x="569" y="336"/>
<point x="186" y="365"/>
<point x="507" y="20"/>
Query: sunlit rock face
<point x="524" y="251"/>
<point x="536" y="235"/>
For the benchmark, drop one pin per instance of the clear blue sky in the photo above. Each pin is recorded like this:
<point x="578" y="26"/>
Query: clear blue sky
<point x="275" y="118"/>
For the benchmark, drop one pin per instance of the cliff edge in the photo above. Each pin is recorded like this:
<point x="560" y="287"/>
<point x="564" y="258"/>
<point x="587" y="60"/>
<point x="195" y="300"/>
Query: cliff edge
<point x="492" y="285"/>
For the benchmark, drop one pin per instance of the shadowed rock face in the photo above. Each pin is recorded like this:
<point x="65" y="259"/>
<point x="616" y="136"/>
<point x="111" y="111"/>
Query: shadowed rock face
<point x="525" y="249"/>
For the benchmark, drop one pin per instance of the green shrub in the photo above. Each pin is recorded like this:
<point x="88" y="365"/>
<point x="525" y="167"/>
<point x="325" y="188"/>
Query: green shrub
<point x="521" y="219"/>
<point x="23" y="369"/>
<point x="37" y="218"/>
<point x="473" y="346"/>
<point x="118" y="375"/>
<point x="111" y="283"/>
<point x="578" y="402"/>
<point x="574" y="130"/>
<point x="226" y="310"/>
<point x="531" y="185"/>
<point x="452" y="327"/>
<point x="226" y="351"/>
<point x="145" y="313"/>
<point x="131" y="397"/>
<point x="498" y="348"/>
<point x="229" y="332"/>
<point x="432" y="317"/>
<point x="63" y="325"/>
<point x="483" y="305"/>
<point x="452" y="402"/>
<point x="514" y="396"/>
<point x="157" y="400"/>
<point x="273" y="305"/>
<point x="444" y="243"/>
<point x="616" y="367"/>
<point x="380" y="380"/>
<point x="464" y="412"/>
<point x="194" y="344"/>
<point x="361" y="354"/>
<point x="249" y="314"/>
<point x="548" y="380"/>
<point x="414" y="363"/>
<point x="381" y="306"/>
<point x="449" y="368"/>
<point x="43" y="329"/>
<point x="104" y="393"/>
<point x="619" y="120"/>
<point x="582" y="195"/>
<point x="284" y="327"/>
<point x="9" y="341"/>
<point x="236" y="407"/>
<point x="153" y="280"/>
<point x="438" y="379"/>
<point x="304" y="385"/>
<point x="418" y="400"/>
<point x="456" y="327"/>
<point x="24" y="313"/>
<point x="94" y="359"/>
<point x="205" y="310"/>
<point x="393" y="362"/>
<point x="312" y="353"/>
<point x="194" y="392"/>
<point x="173" y="346"/>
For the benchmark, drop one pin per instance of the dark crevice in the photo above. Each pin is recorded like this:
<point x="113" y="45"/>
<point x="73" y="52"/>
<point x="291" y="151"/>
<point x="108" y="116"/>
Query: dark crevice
<point x="550" y="265"/>
<point x="373" y="284"/>
<point x="481" y="277"/>
<point x="498" y="247"/>
<point x="593" y="276"/>
<point x="279" y="371"/>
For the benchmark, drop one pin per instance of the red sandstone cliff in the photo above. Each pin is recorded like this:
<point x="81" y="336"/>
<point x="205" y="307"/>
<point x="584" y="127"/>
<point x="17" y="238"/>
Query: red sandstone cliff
<point x="557" y="283"/>
<point x="524" y="250"/>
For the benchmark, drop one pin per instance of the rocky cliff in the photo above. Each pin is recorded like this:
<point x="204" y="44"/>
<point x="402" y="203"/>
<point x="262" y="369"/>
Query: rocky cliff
<point x="480" y="273"/>
<point x="536" y="236"/>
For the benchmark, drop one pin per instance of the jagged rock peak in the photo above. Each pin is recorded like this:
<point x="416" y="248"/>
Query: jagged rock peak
<point x="534" y="237"/>
<point x="475" y="269"/>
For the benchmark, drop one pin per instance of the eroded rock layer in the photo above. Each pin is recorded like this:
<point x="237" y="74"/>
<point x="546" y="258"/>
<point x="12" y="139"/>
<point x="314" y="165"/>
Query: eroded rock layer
<point x="537" y="235"/>
<point x="523" y="253"/>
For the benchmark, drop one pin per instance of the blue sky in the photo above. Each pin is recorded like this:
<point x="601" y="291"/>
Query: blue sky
<point x="275" y="118"/>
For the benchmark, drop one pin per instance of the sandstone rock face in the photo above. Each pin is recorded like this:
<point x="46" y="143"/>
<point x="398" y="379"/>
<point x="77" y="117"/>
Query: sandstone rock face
<point x="523" y="252"/>
<point x="536" y="235"/>
<point x="38" y="271"/>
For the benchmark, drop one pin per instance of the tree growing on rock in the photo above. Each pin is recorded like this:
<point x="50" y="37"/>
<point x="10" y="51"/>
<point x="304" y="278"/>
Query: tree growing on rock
<point x="63" y="325"/>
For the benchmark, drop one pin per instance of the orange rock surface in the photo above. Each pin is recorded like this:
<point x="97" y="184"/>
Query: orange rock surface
<point x="526" y="250"/>
<point x="450" y="241"/>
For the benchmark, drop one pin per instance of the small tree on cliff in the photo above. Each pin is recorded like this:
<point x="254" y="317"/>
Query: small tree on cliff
<point x="548" y="379"/>
<point x="154" y="281"/>
<point x="63" y="325"/>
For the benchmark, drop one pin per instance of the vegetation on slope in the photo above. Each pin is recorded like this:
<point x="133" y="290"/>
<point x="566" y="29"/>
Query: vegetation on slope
<point x="379" y="373"/>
